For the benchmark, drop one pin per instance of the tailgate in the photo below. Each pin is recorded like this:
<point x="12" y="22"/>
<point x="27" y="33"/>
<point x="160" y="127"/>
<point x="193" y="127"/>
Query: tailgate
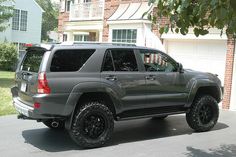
<point x="27" y="75"/>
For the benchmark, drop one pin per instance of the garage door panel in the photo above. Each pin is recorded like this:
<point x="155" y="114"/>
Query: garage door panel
<point x="201" y="55"/>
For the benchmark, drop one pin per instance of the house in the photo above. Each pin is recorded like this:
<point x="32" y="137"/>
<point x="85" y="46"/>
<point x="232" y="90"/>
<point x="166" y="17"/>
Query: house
<point x="25" y="25"/>
<point x="123" y="21"/>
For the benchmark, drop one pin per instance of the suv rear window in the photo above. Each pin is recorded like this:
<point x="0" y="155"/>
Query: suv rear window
<point x="32" y="60"/>
<point x="69" y="60"/>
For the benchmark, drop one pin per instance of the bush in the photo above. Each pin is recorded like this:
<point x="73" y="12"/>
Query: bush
<point x="8" y="56"/>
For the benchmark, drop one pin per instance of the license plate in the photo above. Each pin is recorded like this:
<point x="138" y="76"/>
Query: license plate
<point x="23" y="87"/>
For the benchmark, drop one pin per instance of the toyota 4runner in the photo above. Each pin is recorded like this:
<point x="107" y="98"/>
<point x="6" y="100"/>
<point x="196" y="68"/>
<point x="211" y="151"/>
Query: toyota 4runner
<point x="85" y="87"/>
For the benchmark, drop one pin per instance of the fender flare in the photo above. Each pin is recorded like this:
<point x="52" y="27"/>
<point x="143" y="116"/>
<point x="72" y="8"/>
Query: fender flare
<point x="198" y="83"/>
<point x="86" y="87"/>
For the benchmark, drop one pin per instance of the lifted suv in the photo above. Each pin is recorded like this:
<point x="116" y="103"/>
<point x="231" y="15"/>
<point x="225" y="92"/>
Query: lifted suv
<point x="85" y="87"/>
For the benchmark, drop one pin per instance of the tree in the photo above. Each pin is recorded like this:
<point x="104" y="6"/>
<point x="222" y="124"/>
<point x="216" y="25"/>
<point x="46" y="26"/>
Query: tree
<point x="197" y="14"/>
<point x="50" y="17"/>
<point x="5" y="13"/>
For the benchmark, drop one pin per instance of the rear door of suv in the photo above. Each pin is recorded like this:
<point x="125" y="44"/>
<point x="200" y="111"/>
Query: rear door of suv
<point x="121" y="70"/>
<point x="27" y="74"/>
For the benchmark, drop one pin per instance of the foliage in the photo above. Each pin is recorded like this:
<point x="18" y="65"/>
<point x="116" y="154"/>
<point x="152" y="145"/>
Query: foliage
<point x="50" y="17"/>
<point x="197" y="14"/>
<point x="8" y="56"/>
<point x="5" y="13"/>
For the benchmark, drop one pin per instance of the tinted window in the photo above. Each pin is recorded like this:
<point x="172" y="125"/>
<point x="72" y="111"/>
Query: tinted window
<point x="108" y="64"/>
<point x="69" y="60"/>
<point x="155" y="61"/>
<point x="124" y="60"/>
<point x="32" y="61"/>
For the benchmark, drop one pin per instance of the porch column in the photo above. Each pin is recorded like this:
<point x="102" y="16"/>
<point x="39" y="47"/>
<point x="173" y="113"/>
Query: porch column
<point x="100" y="36"/>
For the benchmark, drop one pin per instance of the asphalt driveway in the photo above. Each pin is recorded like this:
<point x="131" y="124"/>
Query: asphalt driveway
<point x="135" y="138"/>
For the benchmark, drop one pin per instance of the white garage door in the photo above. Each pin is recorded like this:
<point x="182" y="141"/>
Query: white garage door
<point x="201" y="55"/>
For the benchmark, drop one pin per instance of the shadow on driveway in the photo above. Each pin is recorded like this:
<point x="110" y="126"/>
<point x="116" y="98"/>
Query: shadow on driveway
<point x="124" y="132"/>
<point x="222" y="151"/>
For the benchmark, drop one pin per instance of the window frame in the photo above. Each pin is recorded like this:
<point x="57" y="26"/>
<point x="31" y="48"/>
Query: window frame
<point x="68" y="7"/>
<point x="16" y="24"/>
<point x="163" y="54"/>
<point x="110" y="51"/>
<point x="124" y="40"/>
<point x="83" y="37"/>
<point x="23" y="24"/>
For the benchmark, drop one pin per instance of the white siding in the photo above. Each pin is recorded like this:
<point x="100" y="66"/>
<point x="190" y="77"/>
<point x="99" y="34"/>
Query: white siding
<point x="34" y="24"/>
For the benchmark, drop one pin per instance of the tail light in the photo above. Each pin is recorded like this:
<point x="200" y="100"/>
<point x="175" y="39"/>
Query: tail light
<point x="43" y="87"/>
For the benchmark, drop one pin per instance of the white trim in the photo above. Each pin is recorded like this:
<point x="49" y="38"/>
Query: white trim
<point x="214" y="34"/>
<point x="81" y="33"/>
<point x="192" y="36"/>
<point x="128" y="22"/>
<point x="38" y="6"/>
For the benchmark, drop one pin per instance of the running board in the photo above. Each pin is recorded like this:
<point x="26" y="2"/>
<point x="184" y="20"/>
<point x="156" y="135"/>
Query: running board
<point x="149" y="116"/>
<point x="151" y="112"/>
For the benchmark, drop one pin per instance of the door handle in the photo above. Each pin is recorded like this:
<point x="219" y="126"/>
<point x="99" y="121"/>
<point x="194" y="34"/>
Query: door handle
<point x="111" y="78"/>
<point x="151" y="77"/>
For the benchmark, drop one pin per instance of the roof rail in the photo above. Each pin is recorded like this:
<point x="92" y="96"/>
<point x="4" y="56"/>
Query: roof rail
<point x="98" y="43"/>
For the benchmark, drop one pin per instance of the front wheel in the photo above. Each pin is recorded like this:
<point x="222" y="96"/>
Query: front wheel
<point x="203" y="114"/>
<point x="92" y="125"/>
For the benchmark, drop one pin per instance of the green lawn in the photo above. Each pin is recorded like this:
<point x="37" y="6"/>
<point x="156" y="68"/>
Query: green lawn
<point x="6" y="82"/>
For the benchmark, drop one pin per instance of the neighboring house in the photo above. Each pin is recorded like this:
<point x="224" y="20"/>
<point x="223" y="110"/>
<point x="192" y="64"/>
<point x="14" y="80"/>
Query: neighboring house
<point x="25" y="25"/>
<point x="123" y="21"/>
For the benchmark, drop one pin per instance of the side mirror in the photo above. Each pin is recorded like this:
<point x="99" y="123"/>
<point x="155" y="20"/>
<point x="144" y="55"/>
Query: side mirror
<point x="180" y="68"/>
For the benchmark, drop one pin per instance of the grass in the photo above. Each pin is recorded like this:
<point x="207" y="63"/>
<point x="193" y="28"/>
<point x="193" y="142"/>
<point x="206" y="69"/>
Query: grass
<point x="6" y="82"/>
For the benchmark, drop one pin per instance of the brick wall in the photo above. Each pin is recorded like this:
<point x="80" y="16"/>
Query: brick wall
<point x="228" y="72"/>
<point x="63" y="16"/>
<point x="162" y="22"/>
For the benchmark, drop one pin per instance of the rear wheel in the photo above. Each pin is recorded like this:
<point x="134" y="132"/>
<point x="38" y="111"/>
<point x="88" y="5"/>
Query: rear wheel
<point x="92" y="125"/>
<point x="203" y="114"/>
<point x="54" y="124"/>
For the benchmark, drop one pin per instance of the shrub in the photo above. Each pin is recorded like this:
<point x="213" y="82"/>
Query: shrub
<point x="8" y="56"/>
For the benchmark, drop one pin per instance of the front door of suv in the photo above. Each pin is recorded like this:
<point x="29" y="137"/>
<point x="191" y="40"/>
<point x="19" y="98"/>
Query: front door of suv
<point x="165" y="86"/>
<point x="120" y="71"/>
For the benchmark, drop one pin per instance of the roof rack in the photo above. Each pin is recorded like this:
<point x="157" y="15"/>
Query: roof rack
<point x="98" y="43"/>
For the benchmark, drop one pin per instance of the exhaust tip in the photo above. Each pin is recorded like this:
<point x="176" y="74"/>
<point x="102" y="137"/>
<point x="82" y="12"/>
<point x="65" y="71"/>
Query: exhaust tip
<point x="55" y="124"/>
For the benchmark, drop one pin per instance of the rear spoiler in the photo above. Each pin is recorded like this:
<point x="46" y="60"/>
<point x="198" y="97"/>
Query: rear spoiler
<point x="43" y="47"/>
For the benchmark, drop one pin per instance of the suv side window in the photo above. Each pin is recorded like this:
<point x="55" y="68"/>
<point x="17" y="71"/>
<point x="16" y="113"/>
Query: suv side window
<point x="108" y="62"/>
<point x="120" y="60"/>
<point x="69" y="60"/>
<point x="156" y="61"/>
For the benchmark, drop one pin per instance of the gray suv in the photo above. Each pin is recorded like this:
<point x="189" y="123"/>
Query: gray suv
<point x="85" y="87"/>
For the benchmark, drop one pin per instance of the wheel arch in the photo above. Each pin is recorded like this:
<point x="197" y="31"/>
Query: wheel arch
<point x="91" y="91"/>
<point x="204" y="87"/>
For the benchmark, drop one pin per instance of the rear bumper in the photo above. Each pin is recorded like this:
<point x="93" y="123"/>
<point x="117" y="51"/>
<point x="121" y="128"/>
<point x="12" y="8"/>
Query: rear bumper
<point x="28" y="111"/>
